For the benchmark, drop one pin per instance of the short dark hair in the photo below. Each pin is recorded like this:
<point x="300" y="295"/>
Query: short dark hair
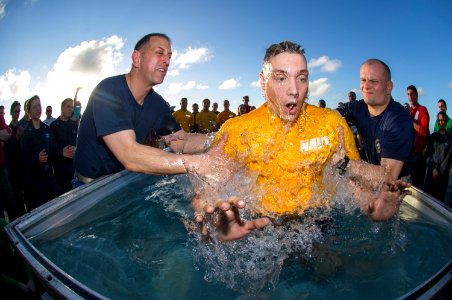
<point x="441" y="113"/>
<point x="413" y="88"/>
<point x="285" y="46"/>
<point x="13" y="106"/>
<point x="442" y="101"/>
<point x="145" y="40"/>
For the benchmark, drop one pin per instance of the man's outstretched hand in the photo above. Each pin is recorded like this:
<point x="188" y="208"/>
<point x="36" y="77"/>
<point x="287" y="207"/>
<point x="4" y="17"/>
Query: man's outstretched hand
<point x="226" y="219"/>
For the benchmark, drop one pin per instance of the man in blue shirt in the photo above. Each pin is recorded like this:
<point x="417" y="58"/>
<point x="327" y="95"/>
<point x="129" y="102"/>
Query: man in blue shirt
<point x="385" y="129"/>
<point x="124" y="113"/>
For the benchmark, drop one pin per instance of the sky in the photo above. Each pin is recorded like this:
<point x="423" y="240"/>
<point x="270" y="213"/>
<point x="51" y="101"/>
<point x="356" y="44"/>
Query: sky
<point x="51" y="47"/>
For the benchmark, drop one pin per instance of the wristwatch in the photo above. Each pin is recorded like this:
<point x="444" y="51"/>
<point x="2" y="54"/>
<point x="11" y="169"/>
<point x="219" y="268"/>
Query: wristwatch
<point x="342" y="165"/>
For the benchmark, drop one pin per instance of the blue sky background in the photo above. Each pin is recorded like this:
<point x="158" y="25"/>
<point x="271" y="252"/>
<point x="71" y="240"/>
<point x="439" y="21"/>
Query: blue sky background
<point x="49" y="47"/>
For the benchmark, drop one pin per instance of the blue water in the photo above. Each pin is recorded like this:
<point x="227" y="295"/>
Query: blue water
<point x="134" y="245"/>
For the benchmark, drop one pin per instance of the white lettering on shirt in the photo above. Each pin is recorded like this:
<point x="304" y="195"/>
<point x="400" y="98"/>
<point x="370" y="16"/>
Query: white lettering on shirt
<point x="314" y="143"/>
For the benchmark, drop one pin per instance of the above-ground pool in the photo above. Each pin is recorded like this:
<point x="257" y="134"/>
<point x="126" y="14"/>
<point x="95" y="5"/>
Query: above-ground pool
<point x="125" y="236"/>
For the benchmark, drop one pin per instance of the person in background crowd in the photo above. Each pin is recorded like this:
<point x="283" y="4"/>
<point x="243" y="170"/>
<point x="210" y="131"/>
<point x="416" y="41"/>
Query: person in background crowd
<point x="226" y="114"/>
<point x="322" y="103"/>
<point x="351" y="96"/>
<point x="64" y="131"/>
<point x="207" y="119"/>
<point x="195" y="112"/>
<point x="14" y="160"/>
<point x="6" y="195"/>
<point x="420" y="117"/>
<point x="38" y="151"/>
<point x="26" y="118"/>
<point x="183" y="116"/>
<point x="406" y="106"/>
<point x="49" y="119"/>
<point x="438" y="160"/>
<point x="215" y="108"/>
<point x="442" y="107"/>
<point x="244" y="107"/>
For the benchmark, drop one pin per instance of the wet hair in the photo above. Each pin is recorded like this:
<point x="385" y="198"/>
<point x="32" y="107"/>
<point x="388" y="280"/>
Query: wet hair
<point x="66" y="101"/>
<point x="442" y="113"/>
<point x="413" y="88"/>
<point x="144" y="41"/>
<point x="376" y="60"/>
<point x="443" y="102"/>
<point x="29" y="101"/>
<point x="285" y="46"/>
<point x="13" y="106"/>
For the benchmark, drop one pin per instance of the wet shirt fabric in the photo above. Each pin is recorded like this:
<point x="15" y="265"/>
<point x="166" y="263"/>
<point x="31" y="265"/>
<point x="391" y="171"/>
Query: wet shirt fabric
<point x="112" y="108"/>
<point x="388" y="135"/>
<point x="287" y="159"/>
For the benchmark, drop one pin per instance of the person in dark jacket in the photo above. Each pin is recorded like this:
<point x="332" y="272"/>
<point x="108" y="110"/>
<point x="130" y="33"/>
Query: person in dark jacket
<point x="64" y="131"/>
<point x="438" y="160"/>
<point x="38" y="150"/>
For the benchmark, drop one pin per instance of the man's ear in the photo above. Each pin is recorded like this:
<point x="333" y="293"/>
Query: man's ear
<point x="136" y="58"/>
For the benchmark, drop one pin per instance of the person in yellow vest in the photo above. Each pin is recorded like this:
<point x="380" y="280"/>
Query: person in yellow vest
<point x="286" y="145"/>
<point x="206" y="119"/>
<point x="226" y="114"/>
<point x="183" y="116"/>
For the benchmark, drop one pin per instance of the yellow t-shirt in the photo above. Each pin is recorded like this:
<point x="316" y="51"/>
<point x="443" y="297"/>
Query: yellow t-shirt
<point x="224" y="116"/>
<point x="287" y="159"/>
<point x="184" y="118"/>
<point x="205" y="119"/>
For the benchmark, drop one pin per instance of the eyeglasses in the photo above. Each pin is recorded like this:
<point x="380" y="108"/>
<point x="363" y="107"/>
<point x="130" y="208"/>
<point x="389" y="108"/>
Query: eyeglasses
<point x="49" y="110"/>
<point x="16" y="111"/>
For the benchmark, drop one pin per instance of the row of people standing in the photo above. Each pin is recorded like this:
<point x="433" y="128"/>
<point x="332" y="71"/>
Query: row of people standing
<point x="206" y="120"/>
<point x="38" y="157"/>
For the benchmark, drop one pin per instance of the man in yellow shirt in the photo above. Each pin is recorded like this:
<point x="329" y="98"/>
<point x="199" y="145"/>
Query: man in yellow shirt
<point x="226" y="114"/>
<point x="183" y="116"/>
<point x="206" y="119"/>
<point x="286" y="143"/>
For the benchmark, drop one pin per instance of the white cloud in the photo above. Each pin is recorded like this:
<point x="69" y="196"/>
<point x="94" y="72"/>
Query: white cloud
<point x="176" y="87"/>
<point x="325" y="64"/>
<point x="229" y="84"/>
<point x="319" y="87"/>
<point x="15" y="85"/>
<point x="256" y="83"/>
<point x="202" y="87"/>
<point x="2" y="8"/>
<point x="83" y="65"/>
<point x="187" y="58"/>
<point x="420" y="91"/>
<point x="449" y="85"/>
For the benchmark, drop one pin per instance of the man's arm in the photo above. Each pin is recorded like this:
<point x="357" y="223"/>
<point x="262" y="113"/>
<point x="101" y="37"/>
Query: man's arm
<point x="421" y="126"/>
<point x="188" y="143"/>
<point x="140" y="158"/>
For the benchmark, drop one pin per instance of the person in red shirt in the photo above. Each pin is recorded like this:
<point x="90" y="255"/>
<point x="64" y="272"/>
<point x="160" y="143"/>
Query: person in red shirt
<point x="420" y="117"/>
